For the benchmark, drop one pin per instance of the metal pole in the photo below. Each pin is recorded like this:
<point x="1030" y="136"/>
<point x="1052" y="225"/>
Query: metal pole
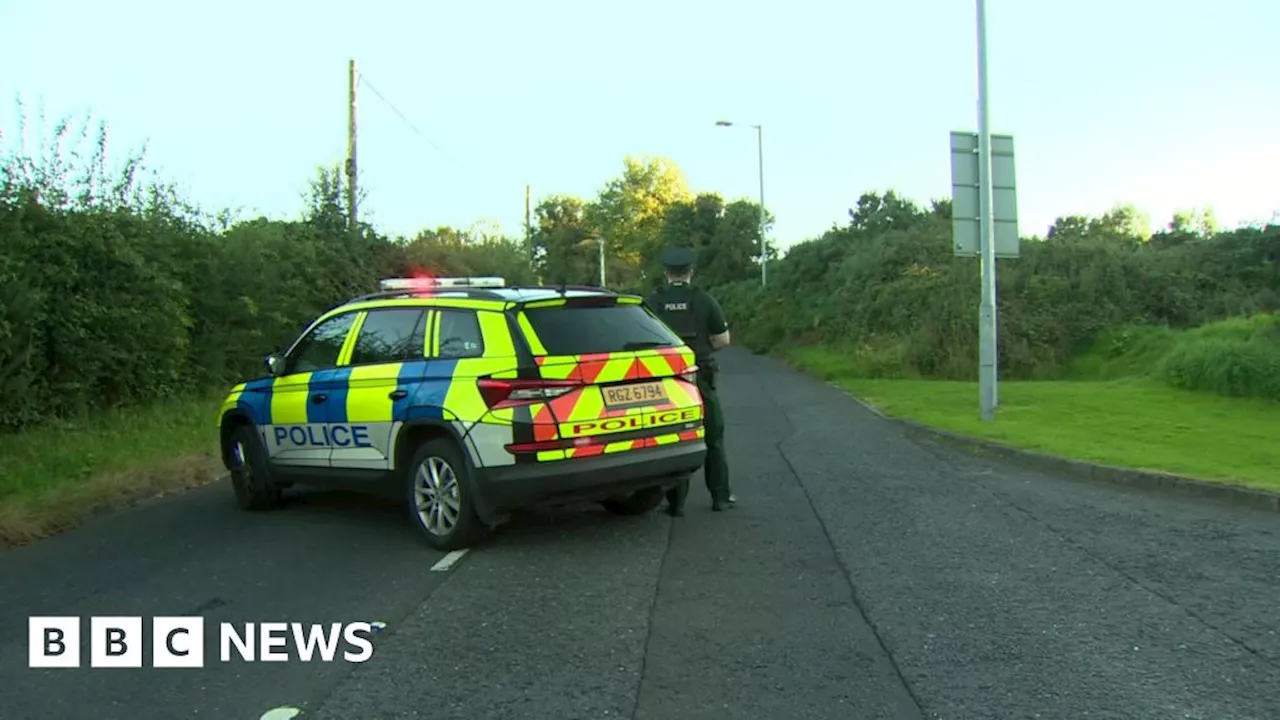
<point x="764" y="256"/>
<point x="600" y="240"/>
<point x="987" y="375"/>
<point x="352" y="78"/>
<point x="764" y="261"/>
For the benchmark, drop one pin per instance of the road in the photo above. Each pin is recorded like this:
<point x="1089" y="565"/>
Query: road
<point x="864" y="574"/>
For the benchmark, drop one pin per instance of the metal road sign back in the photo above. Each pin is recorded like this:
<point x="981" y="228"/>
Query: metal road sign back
<point x="966" y="205"/>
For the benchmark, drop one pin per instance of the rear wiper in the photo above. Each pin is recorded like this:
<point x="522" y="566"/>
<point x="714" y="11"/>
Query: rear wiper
<point x="645" y="344"/>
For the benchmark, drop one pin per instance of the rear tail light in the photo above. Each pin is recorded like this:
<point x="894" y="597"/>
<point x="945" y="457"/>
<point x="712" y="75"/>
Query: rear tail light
<point x="690" y="374"/>
<point x="507" y="393"/>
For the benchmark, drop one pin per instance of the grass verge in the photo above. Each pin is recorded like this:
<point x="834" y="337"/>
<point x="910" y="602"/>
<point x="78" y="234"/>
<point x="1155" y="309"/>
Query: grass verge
<point x="54" y="478"/>
<point x="1134" y="422"/>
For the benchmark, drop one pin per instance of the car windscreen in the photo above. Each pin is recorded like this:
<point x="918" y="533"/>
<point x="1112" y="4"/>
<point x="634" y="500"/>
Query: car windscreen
<point x="569" y="330"/>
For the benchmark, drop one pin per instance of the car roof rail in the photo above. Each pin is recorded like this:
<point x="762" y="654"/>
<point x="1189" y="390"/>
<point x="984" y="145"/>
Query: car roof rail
<point x="562" y="289"/>
<point x="501" y="294"/>
<point x="470" y="293"/>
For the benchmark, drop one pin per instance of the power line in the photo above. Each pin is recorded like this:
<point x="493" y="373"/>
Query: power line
<point x="466" y="170"/>
<point x="365" y="79"/>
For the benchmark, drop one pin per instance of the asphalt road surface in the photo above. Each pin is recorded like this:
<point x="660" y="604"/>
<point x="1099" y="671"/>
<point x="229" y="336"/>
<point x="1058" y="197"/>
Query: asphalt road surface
<point x="863" y="575"/>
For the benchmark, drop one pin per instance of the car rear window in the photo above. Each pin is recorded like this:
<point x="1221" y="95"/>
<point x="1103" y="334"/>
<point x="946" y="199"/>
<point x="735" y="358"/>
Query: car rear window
<point x="583" y="330"/>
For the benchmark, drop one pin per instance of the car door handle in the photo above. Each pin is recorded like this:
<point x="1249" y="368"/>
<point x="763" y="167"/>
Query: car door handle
<point x="319" y="398"/>
<point x="398" y="394"/>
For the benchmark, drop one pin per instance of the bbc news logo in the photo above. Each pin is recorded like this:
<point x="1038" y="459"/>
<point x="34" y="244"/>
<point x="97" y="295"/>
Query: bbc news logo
<point x="179" y="642"/>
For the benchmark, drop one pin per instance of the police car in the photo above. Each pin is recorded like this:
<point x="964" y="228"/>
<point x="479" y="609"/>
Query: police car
<point x="471" y="399"/>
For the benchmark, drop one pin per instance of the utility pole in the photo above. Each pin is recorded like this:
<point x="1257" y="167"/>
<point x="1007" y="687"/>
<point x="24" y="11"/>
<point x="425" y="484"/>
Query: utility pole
<point x="987" y="346"/>
<point x="528" y="226"/>
<point x="351" y="147"/>
<point x="764" y="248"/>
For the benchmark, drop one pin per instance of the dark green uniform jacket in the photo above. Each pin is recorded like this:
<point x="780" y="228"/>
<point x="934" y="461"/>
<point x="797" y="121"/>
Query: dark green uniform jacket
<point x="696" y="316"/>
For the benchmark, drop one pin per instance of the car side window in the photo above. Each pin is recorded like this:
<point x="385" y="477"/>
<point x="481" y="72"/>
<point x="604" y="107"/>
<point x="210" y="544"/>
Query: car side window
<point x="391" y="335"/>
<point x="459" y="334"/>
<point x="319" y="350"/>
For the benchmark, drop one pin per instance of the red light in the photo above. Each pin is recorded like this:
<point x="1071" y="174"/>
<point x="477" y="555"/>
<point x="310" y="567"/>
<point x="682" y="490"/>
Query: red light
<point x="507" y="393"/>
<point x="424" y="282"/>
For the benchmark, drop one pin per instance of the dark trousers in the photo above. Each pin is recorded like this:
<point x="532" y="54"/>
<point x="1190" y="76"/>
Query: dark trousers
<point x="716" y="467"/>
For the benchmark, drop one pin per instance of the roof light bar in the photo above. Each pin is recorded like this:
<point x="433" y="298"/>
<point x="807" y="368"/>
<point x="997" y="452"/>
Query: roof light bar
<point x="389" y="284"/>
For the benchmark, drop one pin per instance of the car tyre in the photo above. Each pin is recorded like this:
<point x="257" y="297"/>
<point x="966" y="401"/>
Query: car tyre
<point x="250" y="475"/>
<point x="438" y="493"/>
<point x="639" y="502"/>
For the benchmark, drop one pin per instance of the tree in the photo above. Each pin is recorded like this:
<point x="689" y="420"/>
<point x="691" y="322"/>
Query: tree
<point x="449" y="252"/>
<point x="1194" y="222"/>
<point x="563" y="243"/>
<point x="629" y="213"/>
<point x="876" y="213"/>
<point x="1069" y="228"/>
<point x="726" y="239"/>
<point x="1123" y="222"/>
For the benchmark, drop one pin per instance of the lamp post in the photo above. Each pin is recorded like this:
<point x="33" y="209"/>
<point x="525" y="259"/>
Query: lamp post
<point x="987" y="348"/>
<point x="764" y="255"/>
<point x="600" y="240"/>
<point x="596" y="238"/>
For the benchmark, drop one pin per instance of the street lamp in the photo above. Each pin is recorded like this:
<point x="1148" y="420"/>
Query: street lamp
<point x="764" y="255"/>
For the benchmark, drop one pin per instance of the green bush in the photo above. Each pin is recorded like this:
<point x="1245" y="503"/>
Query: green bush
<point x="1227" y="367"/>
<point x="1238" y="358"/>
<point x="115" y="292"/>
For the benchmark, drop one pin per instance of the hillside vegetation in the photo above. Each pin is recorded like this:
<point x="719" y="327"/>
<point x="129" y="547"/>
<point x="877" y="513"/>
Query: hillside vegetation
<point x="117" y="294"/>
<point x="900" y="306"/>
<point x="1239" y="357"/>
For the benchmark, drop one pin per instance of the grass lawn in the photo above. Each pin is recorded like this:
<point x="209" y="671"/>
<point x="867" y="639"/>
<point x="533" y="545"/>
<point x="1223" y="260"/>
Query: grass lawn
<point x="1134" y="423"/>
<point x="52" y="478"/>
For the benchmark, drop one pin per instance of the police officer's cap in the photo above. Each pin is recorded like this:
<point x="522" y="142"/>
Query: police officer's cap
<point x="678" y="258"/>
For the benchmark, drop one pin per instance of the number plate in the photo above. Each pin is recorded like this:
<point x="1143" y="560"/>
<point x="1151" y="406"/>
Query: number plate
<point x="621" y="396"/>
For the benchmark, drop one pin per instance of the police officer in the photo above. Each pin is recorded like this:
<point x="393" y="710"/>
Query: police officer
<point x="697" y="318"/>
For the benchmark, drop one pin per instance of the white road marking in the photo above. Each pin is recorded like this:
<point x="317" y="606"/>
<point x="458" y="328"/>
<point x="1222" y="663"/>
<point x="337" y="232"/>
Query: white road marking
<point x="448" y="561"/>
<point x="280" y="713"/>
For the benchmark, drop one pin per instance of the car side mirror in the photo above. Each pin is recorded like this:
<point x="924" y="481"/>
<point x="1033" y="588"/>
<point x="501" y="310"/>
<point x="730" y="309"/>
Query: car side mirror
<point x="275" y="364"/>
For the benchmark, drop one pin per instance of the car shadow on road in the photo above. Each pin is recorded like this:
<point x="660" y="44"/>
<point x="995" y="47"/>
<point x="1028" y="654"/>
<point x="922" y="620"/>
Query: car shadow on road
<point x="376" y="514"/>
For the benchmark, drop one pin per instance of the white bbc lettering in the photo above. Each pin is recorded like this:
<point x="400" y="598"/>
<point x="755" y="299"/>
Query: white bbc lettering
<point x="53" y="642"/>
<point x="269" y="642"/>
<point x="243" y="645"/>
<point x="177" y="642"/>
<point x="115" y="642"/>
<point x="351" y="635"/>
<point x="272" y="642"/>
<point x="328" y="642"/>
<point x="307" y="646"/>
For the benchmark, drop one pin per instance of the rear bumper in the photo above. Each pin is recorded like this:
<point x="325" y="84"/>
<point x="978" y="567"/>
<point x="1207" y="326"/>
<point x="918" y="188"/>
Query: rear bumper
<point x="592" y="478"/>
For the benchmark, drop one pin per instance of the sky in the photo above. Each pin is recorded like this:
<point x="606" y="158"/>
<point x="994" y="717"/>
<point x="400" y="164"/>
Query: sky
<point x="1165" y="104"/>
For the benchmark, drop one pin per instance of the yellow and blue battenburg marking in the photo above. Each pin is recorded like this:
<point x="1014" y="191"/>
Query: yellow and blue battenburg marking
<point x="352" y="394"/>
